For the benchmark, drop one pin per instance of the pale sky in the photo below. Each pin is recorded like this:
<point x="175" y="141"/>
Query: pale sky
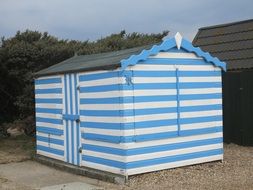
<point x="93" y="19"/>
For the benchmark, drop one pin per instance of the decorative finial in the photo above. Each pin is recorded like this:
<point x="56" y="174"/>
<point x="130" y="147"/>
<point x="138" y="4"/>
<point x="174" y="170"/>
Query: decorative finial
<point x="178" y="39"/>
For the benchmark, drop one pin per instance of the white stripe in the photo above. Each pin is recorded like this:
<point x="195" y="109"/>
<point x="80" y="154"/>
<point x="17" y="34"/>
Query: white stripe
<point x="50" y="125"/>
<point x="199" y="79"/>
<point x="59" y="137"/>
<point x="50" y="155"/>
<point x="131" y="145"/>
<point x="156" y="67"/>
<point x="176" y="55"/>
<point x="51" y="145"/>
<point x="141" y="105"/>
<point x="172" y="140"/>
<point x="200" y="102"/>
<point x="200" y="125"/>
<point x="48" y="86"/>
<point x="138" y="118"/>
<point x="49" y="115"/>
<point x="153" y="155"/>
<point x="173" y="164"/>
<point x="96" y="72"/>
<point x="106" y="81"/>
<point x="153" y="130"/>
<point x="200" y="91"/>
<point x="74" y="123"/>
<point x="43" y="105"/>
<point x="137" y="80"/>
<point x="49" y="96"/>
<point x="111" y="94"/>
<point x="64" y="121"/>
<point x="200" y="113"/>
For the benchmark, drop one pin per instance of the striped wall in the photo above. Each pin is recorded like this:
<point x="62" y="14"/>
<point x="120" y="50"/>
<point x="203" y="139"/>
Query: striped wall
<point x="49" y="124"/>
<point x="163" y="112"/>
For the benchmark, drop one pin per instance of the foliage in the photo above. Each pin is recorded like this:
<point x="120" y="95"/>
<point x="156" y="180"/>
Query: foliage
<point x="30" y="51"/>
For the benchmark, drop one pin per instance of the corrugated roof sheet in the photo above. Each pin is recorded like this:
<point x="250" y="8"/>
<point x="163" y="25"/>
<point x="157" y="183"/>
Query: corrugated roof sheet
<point x="232" y="43"/>
<point x="109" y="60"/>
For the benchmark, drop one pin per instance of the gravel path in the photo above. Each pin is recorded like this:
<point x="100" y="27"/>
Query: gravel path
<point x="235" y="172"/>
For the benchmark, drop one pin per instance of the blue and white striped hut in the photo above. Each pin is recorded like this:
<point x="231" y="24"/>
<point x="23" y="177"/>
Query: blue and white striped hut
<point x="132" y="111"/>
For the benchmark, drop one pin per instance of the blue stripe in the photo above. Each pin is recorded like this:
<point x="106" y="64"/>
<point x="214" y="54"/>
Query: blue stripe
<point x="188" y="85"/>
<point x="49" y="120"/>
<point x="143" y="86"/>
<point x="200" y="96"/>
<point x="174" y="61"/>
<point x="201" y="119"/>
<point x="50" y="140"/>
<point x="88" y="77"/>
<point x="199" y="73"/>
<point x="168" y="159"/>
<point x="201" y="108"/>
<point x="47" y="81"/>
<point x="49" y="130"/>
<point x="155" y="136"/>
<point x="66" y="111"/>
<point x="49" y="110"/>
<point x="103" y="161"/>
<point x="100" y="125"/>
<point x="200" y="131"/>
<point x="77" y="124"/>
<point x="48" y="101"/>
<point x="151" y="149"/>
<point x="48" y="91"/>
<point x="50" y="150"/>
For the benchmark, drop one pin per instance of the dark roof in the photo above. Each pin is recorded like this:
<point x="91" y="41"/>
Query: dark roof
<point x="232" y="43"/>
<point x="101" y="61"/>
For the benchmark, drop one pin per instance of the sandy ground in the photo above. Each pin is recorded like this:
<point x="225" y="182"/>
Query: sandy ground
<point x="18" y="172"/>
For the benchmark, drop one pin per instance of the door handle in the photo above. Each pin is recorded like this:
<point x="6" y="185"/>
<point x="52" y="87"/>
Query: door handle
<point x="80" y="150"/>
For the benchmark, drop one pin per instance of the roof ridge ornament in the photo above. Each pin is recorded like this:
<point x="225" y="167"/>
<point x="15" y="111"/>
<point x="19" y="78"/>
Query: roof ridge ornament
<point x="178" y="39"/>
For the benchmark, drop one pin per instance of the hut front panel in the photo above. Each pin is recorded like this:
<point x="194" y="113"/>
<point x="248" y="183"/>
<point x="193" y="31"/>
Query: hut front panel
<point x="49" y="124"/>
<point x="101" y="119"/>
<point x="178" y="113"/>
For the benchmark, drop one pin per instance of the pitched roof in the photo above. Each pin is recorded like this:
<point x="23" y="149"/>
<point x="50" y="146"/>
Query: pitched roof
<point x="124" y="58"/>
<point x="232" y="43"/>
<point x="108" y="60"/>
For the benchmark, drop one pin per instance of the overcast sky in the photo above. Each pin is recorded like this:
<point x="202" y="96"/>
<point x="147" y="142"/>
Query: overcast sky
<point x="93" y="19"/>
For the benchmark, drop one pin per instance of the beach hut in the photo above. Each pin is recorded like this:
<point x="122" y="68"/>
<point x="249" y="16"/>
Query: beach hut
<point x="132" y="111"/>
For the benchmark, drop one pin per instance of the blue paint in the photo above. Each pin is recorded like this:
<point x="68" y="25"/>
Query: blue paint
<point x="190" y="85"/>
<point x="105" y="75"/>
<point x="167" y="45"/>
<point x="71" y="122"/>
<point x="168" y="159"/>
<point x="48" y="130"/>
<point x="49" y="120"/>
<point x="50" y="150"/>
<point x="52" y="140"/>
<point x="151" y="149"/>
<point x="48" y="91"/>
<point x="173" y="61"/>
<point x="48" y="110"/>
<point x="201" y="108"/>
<point x="70" y="117"/>
<point x="48" y="101"/>
<point x="77" y="124"/>
<point x="201" y="131"/>
<point x="103" y="161"/>
<point x="201" y="119"/>
<point x="48" y="81"/>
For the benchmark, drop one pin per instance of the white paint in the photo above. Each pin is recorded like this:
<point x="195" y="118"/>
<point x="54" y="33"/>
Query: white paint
<point x="50" y="125"/>
<point x="173" y="164"/>
<point x="199" y="79"/>
<point x="175" y="55"/>
<point x="200" y="91"/>
<point x="48" y="86"/>
<point x="106" y="81"/>
<point x="50" y="155"/>
<point x="200" y="113"/>
<point x="137" y="80"/>
<point x="49" y="115"/>
<point x="44" y="105"/>
<point x="59" y="137"/>
<point x="51" y="145"/>
<point x="178" y="39"/>
<point x="200" y="102"/>
<point x="200" y="125"/>
<point x="43" y="96"/>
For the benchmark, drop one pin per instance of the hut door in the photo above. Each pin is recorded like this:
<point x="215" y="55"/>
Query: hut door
<point x="71" y="119"/>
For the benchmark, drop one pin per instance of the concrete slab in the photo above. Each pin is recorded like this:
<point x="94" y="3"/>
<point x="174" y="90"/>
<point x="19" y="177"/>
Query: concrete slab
<point x="36" y="175"/>
<point x="71" y="186"/>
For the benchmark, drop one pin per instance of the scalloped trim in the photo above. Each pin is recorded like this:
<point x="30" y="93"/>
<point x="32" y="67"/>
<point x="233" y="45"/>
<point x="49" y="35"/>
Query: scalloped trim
<point x="166" y="45"/>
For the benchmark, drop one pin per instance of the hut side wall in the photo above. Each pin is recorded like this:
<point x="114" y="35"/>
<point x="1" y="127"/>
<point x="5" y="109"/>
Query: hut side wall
<point x="178" y="113"/>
